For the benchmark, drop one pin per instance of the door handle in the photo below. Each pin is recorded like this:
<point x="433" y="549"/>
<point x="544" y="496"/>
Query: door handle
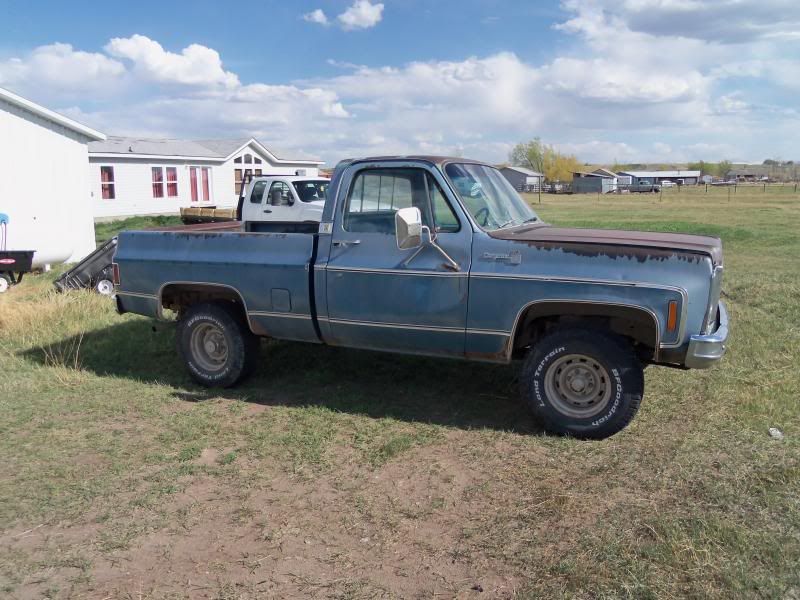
<point x="268" y="211"/>
<point x="345" y="243"/>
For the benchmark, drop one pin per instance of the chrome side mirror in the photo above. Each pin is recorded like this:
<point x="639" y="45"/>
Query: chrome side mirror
<point x="408" y="228"/>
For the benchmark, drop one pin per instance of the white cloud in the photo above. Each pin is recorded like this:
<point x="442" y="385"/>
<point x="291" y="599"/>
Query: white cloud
<point x="62" y="71"/>
<point x="624" y="89"/>
<point x="362" y="14"/>
<point x="196" y="65"/>
<point x="317" y="16"/>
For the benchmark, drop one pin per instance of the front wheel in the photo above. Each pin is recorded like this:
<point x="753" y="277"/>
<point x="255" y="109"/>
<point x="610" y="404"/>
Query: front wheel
<point x="583" y="383"/>
<point x="216" y="344"/>
<point x="5" y="283"/>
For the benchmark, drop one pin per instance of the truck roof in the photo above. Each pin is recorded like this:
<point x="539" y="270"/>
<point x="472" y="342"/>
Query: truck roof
<point x="292" y="178"/>
<point x="433" y="159"/>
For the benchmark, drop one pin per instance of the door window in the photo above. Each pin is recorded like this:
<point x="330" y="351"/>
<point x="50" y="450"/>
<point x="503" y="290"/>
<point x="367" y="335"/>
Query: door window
<point x="280" y="194"/>
<point x="257" y="195"/>
<point x="377" y="194"/>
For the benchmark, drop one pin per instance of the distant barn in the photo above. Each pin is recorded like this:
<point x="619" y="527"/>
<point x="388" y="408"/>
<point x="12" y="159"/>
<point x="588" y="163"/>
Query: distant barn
<point x="680" y="177"/>
<point x="523" y="180"/>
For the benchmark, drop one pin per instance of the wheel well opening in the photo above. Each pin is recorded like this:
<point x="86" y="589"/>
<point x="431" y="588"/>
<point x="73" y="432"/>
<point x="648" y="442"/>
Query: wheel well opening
<point x="180" y="296"/>
<point x="637" y="325"/>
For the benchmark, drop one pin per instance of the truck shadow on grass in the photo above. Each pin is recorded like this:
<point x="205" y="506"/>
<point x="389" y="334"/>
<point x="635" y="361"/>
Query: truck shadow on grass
<point x="379" y="385"/>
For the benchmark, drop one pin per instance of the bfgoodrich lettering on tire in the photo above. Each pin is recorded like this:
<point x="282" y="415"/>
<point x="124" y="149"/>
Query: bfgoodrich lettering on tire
<point x="216" y="344"/>
<point x="583" y="383"/>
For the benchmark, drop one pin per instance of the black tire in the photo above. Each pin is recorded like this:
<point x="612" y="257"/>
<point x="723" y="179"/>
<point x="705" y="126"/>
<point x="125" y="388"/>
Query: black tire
<point x="234" y="349"/>
<point x="584" y="383"/>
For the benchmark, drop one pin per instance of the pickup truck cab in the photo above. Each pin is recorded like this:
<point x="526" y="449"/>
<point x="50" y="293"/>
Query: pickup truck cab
<point x="645" y="186"/>
<point x="441" y="257"/>
<point x="282" y="199"/>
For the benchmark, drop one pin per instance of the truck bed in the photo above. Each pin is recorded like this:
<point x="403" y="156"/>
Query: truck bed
<point x="268" y="272"/>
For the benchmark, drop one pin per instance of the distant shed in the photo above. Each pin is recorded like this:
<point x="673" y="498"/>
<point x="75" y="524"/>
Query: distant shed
<point x="593" y="183"/>
<point x="523" y="180"/>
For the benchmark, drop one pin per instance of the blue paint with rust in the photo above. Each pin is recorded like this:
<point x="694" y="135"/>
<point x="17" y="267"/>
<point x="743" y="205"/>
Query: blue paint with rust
<point x="354" y="289"/>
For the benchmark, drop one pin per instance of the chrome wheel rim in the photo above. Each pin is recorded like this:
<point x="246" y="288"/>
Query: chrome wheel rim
<point x="105" y="287"/>
<point x="578" y="386"/>
<point x="3" y="285"/>
<point x="209" y="347"/>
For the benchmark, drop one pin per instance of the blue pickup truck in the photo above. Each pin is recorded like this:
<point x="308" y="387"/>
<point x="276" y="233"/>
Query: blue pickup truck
<point x="441" y="257"/>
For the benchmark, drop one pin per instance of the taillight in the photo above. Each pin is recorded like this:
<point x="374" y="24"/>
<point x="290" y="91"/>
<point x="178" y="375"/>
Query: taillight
<point x="115" y="270"/>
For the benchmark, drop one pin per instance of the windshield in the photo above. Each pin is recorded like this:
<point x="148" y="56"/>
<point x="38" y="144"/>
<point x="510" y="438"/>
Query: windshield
<point x="310" y="191"/>
<point x="489" y="197"/>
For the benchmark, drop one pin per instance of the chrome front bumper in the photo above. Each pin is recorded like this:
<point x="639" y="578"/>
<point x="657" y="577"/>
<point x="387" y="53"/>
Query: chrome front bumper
<point x="705" y="350"/>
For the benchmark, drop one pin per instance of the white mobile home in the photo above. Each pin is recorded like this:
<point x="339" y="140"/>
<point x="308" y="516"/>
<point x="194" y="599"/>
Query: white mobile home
<point x="137" y="176"/>
<point x="44" y="185"/>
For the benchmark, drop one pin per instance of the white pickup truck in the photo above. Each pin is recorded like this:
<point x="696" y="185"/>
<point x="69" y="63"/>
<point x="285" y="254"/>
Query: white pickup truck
<point x="282" y="199"/>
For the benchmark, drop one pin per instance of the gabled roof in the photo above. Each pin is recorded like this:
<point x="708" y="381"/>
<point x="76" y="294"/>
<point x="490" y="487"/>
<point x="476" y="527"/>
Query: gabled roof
<point x="209" y="150"/>
<point x="524" y="171"/>
<point x="593" y="174"/>
<point x="603" y="171"/>
<point x="46" y="113"/>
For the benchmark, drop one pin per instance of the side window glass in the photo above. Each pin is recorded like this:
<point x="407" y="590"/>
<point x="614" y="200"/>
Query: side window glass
<point x="279" y="194"/>
<point x="257" y="196"/>
<point x="443" y="215"/>
<point x="376" y="194"/>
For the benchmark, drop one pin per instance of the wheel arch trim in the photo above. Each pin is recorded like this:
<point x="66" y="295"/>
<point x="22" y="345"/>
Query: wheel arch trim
<point x="201" y="284"/>
<point x="515" y="330"/>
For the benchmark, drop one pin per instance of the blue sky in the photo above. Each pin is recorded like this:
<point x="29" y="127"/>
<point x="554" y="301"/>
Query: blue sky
<point x="627" y="80"/>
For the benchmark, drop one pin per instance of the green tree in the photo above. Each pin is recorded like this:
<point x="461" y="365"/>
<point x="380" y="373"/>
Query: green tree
<point x="700" y="165"/>
<point x="545" y="159"/>
<point x="723" y="167"/>
<point x="529" y="155"/>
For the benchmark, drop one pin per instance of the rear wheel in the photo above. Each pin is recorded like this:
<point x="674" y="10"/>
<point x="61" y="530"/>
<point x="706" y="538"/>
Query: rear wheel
<point x="5" y="283"/>
<point x="583" y="383"/>
<point x="216" y="344"/>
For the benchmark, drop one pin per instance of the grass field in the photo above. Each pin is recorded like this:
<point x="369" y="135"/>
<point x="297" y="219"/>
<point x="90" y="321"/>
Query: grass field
<point x="348" y="474"/>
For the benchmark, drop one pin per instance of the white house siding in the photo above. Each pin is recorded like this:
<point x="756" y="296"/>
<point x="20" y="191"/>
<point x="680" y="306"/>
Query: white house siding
<point x="133" y="187"/>
<point x="134" y="191"/>
<point x="44" y="187"/>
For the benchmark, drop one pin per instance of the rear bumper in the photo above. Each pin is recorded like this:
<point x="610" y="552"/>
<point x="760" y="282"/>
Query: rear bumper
<point x="705" y="350"/>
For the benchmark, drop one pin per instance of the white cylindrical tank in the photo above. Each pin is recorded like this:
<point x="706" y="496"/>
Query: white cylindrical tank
<point x="33" y="226"/>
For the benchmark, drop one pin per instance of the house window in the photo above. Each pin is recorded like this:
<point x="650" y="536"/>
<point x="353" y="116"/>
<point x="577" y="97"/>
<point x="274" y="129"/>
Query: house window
<point x="257" y="160"/>
<point x="238" y="160"/>
<point x="237" y="181"/>
<point x="158" y="182"/>
<point x="172" y="182"/>
<point x="248" y="159"/>
<point x="200" y="183"/>
<point x="107" y="185"/>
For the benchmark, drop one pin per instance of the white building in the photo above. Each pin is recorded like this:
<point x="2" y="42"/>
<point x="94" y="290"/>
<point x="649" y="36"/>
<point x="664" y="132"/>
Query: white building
<point x="44" y="185"/>
<point x="523" y="180"/>
<point x="135" y="176"/>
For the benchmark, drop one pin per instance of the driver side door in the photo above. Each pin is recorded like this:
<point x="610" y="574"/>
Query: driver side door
<point x="382" y="297"/>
